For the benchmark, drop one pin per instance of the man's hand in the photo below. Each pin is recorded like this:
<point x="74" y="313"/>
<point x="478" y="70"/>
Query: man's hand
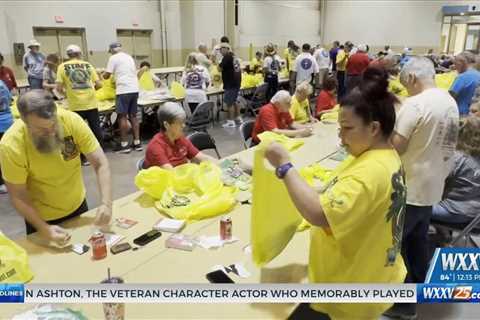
<point x="305" y="132"/>
<point x="277" y="155"/>
<point x="104" y="215"/>
<point x="56" y="234"/>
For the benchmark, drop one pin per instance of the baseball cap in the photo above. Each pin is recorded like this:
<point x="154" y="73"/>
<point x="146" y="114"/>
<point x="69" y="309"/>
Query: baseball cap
<point x="33" y="43"/>
<point x="73" y="48"/>
<point x="114" y="45"/>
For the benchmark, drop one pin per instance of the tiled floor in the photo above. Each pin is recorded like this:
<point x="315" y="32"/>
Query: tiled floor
<point x="228" y="141"/>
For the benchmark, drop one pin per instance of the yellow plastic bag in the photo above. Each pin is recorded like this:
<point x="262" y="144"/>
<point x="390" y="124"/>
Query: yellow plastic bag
<point x="146" y="81"/>
<point x="216" y="77"/>
<point x="14" y="267"/>
<point x="177" y="90"/>
<point x="14" y="109"/>
<point x="189" y="191"/>
<point x="290" y="144"/>
<point x="332" y="115"/>
<point x="445" y="80"/>
<point x="107" y="91"/>
<point x="274" y="217"/>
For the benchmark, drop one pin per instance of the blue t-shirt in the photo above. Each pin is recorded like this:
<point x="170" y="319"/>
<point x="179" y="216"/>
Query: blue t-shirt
<point x="464" y="87"/>
<point x="6" y="119"/>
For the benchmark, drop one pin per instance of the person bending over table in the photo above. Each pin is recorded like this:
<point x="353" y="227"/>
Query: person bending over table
<point x="275" y="117"/>
<point x="300" y="106"/>
<point x="357" y="220"/>
<point x="40" y="160"/>
<point x="169" y="148"/>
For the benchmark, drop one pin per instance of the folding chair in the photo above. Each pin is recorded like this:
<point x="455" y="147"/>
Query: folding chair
<point x="246" y="129"/>
<point x="203" y="141"/>
<point x="465" y="230"/>
<point x="201" y="117"/>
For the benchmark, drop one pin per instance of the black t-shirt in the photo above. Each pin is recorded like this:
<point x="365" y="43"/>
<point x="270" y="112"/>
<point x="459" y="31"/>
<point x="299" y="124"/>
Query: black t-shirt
<point x="231" y="71"/>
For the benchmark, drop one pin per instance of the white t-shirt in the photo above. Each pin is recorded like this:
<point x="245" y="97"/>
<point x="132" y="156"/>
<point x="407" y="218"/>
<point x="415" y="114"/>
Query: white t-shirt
<point x="272" y="64"/>
<point x="322" y="57"/>
<point x="305" y="67"/>
<point x="430" y="121"/>
<point x="122" y="66"/>
<point x="195" y="82"/>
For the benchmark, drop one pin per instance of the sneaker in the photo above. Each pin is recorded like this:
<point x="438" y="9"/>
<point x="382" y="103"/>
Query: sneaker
<point x="229" y="124"/>
<point x="85" y="163"/>
<point x="3" y="189"/>
<point x="402" y="311"/>
<point x="119" y="149"/>
<point x="137" y="147"/>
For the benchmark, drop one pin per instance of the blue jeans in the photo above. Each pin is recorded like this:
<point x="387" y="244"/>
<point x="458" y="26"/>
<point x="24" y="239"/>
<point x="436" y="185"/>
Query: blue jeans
<point x="35" y="83"/>
<point x="439" y="213"/>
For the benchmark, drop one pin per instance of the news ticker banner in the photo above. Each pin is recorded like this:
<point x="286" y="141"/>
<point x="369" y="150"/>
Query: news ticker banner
<point x="455" y="265"/>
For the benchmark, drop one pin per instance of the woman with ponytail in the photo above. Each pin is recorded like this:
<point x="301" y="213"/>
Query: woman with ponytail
<point x="357" y="219"/>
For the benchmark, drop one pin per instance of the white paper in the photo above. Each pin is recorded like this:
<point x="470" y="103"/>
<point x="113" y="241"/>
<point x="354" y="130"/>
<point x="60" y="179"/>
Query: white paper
<point x="213" y="242"/>
<point x="112" y="238"/>
<point x="169" y="225"/>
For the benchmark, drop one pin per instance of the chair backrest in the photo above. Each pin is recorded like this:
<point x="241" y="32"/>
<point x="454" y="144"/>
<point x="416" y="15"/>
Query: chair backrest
<point x="260" y="92"/>
<point x="203" y="141"/>
<point x="202" y="115"/>
<point x="246" y="129"/>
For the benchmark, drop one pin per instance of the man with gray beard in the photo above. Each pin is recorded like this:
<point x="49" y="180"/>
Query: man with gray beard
<point x="40" y="160"/>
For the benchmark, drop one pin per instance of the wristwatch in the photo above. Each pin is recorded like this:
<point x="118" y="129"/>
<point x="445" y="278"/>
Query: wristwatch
<point x="283" y="169"/>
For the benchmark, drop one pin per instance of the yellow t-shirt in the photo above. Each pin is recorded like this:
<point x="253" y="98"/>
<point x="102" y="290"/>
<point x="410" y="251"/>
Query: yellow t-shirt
<point x="342" y="59"/>
<point x="54" y="181"/>
<point x="290" y="57"/>
<point x="78" y="78"/>
<point x="364" y="204"/>
<point x="300" y="111"/>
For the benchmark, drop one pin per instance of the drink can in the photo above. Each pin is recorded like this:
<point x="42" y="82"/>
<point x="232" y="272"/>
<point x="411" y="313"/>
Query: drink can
<point x="226" y="228"/>
<point x="99" y="246"/>
<point x="114" y="311"/>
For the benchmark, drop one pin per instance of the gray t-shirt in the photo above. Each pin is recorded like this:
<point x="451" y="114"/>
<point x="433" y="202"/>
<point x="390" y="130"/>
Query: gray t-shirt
<point x="462" y="187"/>
<point x="33" y="64"/>
<point x="49" y="75"/>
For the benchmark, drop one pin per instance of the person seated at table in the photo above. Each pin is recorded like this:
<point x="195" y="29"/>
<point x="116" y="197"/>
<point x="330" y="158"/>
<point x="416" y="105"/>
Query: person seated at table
<point x="326" y="99"/>
<point x="300" y="106"/>
<point x="146" y="79"/>
<point x="195" y="79"/>
<point x="40" y="160"/>
<point x="170" y="148"/>
<point x="256" y="65"/>
<point x="50" y="75"/>
<point x="461" y="194"/>
<point x="357" y="220"/>
<point x="275" y="117"/>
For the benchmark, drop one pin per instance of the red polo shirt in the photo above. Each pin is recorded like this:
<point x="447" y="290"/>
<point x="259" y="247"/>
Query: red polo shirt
<point x="270" y="118"/>
<point x="325" y="101"/>
<point x="161" y="151"/>
<point x="357" y="63"/>
<point x="7" y="76"/>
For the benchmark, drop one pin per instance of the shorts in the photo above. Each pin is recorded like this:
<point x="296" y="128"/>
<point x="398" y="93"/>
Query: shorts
<point x="126" y="103"/>
<point x="230" y="96"/>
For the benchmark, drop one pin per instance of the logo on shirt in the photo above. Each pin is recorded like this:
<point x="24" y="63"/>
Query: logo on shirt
<point x="396" y="214"/>
<point x="79" y="75"/>
<point x="69" y="150"/>
<point x="306" y="63"/>
<point x="194" y="80"/>
<point x="325" y="54"/>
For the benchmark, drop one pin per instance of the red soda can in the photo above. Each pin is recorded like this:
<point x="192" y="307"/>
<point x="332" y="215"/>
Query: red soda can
<point x="226" y="228"/>
<point x="99" y="245"/>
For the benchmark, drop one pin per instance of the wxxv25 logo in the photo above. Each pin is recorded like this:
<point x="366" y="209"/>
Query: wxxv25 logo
<point x="448" y="293"/>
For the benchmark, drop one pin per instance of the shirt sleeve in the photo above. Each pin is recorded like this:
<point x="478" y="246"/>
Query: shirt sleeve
<point x="12" y="76"/>
<point x="156" y="155"/>
<point x="82" y="135"/>
<point x="407" y="120"/>
<point x="457" y="85"/>
<point x="192" y="151"/>
<point x="13" y="164"/>
<point x="346" y="205"/>
<point x="323" y="103"/>
<point x="110" y="65"/>
<point x="316" y="69"/>
<point x="206" y="76"/>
